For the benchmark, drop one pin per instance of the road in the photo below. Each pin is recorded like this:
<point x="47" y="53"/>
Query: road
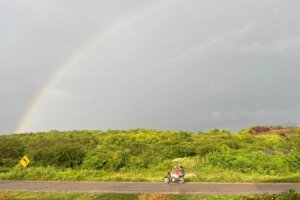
<point x="138" y="187"/>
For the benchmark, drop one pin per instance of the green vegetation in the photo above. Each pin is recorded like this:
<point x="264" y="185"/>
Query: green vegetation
<point x="289" y="195"/>
<point x="258" y="154"/>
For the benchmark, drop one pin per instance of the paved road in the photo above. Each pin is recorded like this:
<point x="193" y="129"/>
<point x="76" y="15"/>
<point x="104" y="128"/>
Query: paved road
<point x="136" y="187"/>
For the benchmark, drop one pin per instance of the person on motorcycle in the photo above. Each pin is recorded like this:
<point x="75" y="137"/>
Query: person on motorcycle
<point x="175" y="172"/>
<point x="181" y="170"/>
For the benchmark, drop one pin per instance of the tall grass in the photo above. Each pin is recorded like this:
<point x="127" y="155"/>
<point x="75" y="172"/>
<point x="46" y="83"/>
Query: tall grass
<point x="199" y="173"/>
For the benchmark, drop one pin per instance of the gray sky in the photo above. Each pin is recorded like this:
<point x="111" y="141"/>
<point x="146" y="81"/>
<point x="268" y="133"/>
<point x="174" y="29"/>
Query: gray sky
<point x="180" y="65"/>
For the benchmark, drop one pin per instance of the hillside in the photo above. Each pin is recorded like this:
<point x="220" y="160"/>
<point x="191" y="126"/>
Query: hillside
<point x="269" y="154"/>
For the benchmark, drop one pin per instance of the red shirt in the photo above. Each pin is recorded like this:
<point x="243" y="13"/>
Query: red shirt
<point x="176" y="171"/>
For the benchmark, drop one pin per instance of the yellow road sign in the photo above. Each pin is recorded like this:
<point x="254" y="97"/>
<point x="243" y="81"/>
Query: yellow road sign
<point x="24" y="161"/>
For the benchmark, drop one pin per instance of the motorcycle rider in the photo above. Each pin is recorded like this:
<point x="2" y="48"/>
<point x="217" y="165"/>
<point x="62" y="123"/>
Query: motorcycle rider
<point x="181" y="170"/>
<point x="175" y="173"/>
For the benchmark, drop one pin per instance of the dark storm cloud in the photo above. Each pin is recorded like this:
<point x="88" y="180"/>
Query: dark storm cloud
<point x="188" y="65"/>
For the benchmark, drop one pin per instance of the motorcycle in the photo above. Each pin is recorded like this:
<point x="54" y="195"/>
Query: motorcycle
<point x="168" y="178"/>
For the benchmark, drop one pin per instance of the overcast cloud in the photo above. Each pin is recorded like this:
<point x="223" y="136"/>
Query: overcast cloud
<point x="180" y="65"/>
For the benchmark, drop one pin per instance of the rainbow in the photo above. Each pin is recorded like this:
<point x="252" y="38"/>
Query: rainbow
<point x="83" y="52"/>
<point x="74" y="59"/>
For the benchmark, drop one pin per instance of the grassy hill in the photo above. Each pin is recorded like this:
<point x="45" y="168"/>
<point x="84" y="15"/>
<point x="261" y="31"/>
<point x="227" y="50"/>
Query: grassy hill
<point x="258" y="154"/>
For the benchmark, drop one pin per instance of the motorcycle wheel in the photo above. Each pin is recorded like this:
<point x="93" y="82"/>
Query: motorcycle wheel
<point x="181" y="180"/>
<point x="166" y="180"/>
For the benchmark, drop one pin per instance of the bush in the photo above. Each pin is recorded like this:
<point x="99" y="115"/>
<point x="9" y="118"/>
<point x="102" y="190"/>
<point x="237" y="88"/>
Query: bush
<point x="11" y="151"/>
<point x="111" y="160"/>
<point x="58" y="152"/>
<point x="247" y="161"/>
<point x="293" y="162"/>
<point x="150" y="149"/>
<point x="177" y="151"/>
<point x="289" y="195"/>
<point x="96" y="160"/>
<point x="204" y="149"/>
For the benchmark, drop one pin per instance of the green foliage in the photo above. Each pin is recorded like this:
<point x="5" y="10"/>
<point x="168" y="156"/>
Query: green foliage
<point x="288" y="195"/>
<point x="58" y="152"/>
<point x="140" y="149"/>
<point x="11" y="151"/>
<point x="293" y="162"/>
<point x="254" y="161"/>
<point x="65" y="196"/>
<point x="203" y="149"/>
<point x="20" y="173"/>
<point x="13" y="195"/>
<point x="96" y="160"/>
<point x="178" y="151"/>
<point x="103" y="159"/>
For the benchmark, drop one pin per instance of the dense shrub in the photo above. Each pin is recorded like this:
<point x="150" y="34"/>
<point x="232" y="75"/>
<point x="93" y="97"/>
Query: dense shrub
<point x="150" y="149"/>
<point x="96" y="160"/>
<point x="288" y="195"/>
<point x="103" y="159"/>
<point x="247" y="161"/>
<point x="293" y="162"/>
<point x="58" y="152"/>
<point x="203" y="149"/>
<point x="178" y="151"/>
<point x="11" y="151"/>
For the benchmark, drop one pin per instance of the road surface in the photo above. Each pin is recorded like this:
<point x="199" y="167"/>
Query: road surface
<point x="147" y="188"/>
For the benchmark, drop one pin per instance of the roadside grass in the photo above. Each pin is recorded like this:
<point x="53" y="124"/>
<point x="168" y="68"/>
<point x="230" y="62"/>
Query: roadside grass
<point x="213" y="174"/>
<point x="200" y="174"/>
<point x="64" y="196"/>
<point x="289" y="195"/>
